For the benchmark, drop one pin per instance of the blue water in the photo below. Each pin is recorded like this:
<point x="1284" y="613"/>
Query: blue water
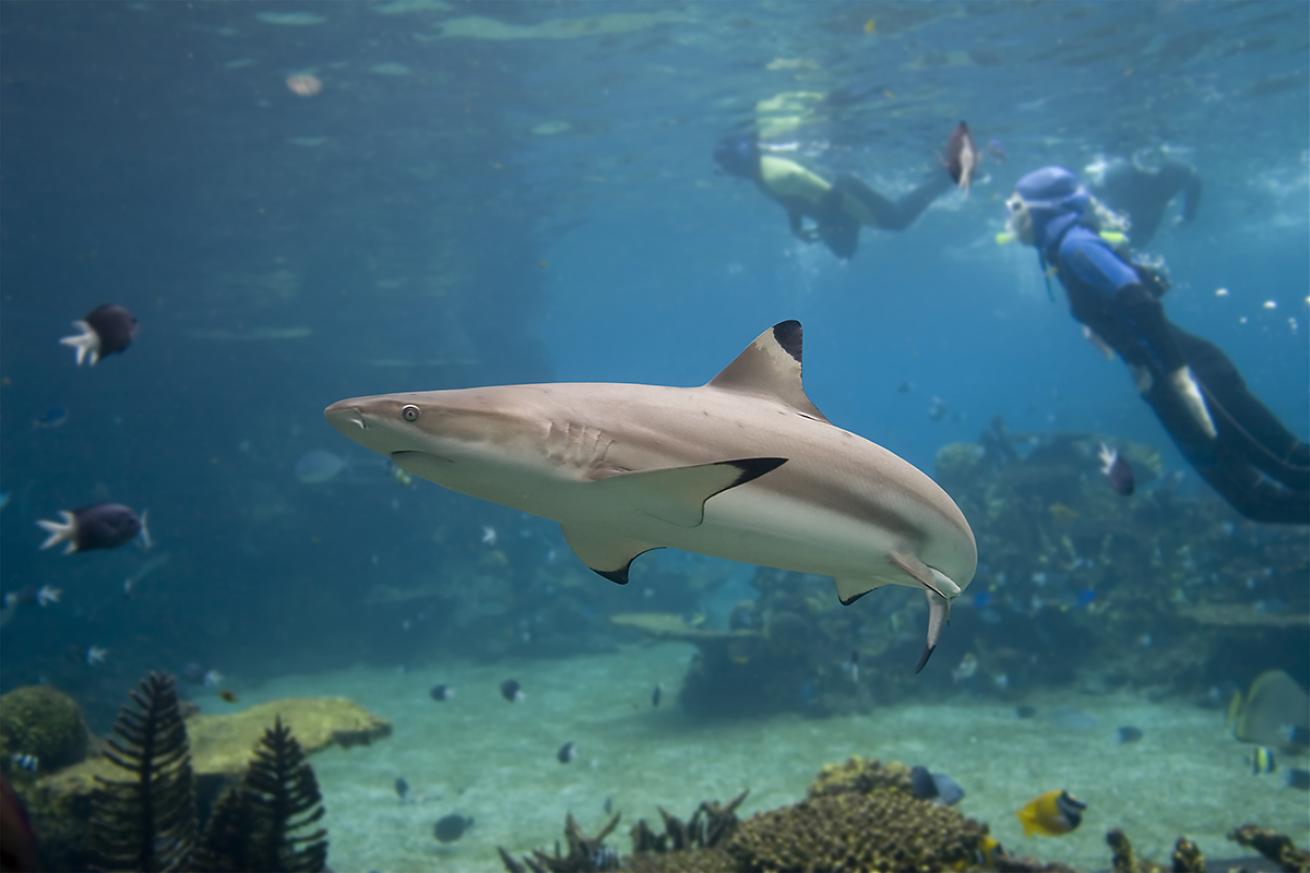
<point x="501" y="192"/>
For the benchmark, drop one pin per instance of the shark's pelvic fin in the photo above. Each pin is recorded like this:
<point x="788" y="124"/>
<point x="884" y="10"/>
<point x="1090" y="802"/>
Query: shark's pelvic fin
<point x="771" y="367"/>
<point x="939" y="613"/>
<point x="607" y="553"/>
<point x="677" y="495"/>
<point x="852" y="588"/>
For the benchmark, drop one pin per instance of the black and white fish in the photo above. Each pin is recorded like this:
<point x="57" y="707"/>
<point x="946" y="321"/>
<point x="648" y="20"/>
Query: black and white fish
<point x="512" y="691"/>
<point x="566" y="753"/>
<point x="98" y="526"/>
<point x="105" y="330"/>
<point x="1117" y="471"/>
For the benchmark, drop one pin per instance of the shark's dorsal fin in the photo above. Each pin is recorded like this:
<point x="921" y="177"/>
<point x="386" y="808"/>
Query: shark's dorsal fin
<point x="771" y="367"/>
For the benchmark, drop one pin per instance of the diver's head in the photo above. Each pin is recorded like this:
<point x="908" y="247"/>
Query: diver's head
<point x="738" y="155"/>
<point x="1040" y="198"/>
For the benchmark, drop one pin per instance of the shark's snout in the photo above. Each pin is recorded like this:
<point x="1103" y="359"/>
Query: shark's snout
<point x="346" y="417"/>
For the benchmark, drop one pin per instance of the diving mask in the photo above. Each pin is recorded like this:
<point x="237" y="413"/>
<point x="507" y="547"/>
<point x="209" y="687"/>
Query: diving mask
<point x="1020" y="219"/>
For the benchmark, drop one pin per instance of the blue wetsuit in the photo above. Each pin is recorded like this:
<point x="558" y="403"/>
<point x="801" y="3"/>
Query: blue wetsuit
<point x="1254" y="462"/>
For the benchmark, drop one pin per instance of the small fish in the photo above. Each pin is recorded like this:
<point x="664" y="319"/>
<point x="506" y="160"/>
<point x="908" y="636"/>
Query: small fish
<point x="402" y="476"/>
<point x="442" y="693"/>
<point x="996" y="150"/>
<point x="566" y="753"/>
<point x="961" y="156"/>
<point x="489" y="535"/>
<point x="105" y="330"/>
<point x="870" y="27"/>
<point x="98" y="526"/>
<point x="966" y="669"/>
<point x="211" y="679"/>
<point x="905" y="388"/>
<point x="609" y="805"/>
<point x="1129" y="734"/>
<point x="853" y="666"/>
<point x="1051" y="814"/>
<point x="1116" y="470"/>
<point x="1221" y="292"/>
<point x="95" y="655"/>
<point x="55" y="416"/>
<point x="5" y="497"/>
<point x="30" y="763"/>
<point x="655" y="696"/>
<point x="1262" y="760"/>
<point x="512" y="691"/>
<point x="228" y="695"/>
<point x="47" y="595"/>
<point x="450" y="828"/>
<point x="926" y="785"/>
<point x="402" y="788"/>
<point x="1297" y="778"/>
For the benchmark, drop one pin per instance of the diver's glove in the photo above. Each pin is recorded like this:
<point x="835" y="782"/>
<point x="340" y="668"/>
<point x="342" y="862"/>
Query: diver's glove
<point x="1184" y="385"/>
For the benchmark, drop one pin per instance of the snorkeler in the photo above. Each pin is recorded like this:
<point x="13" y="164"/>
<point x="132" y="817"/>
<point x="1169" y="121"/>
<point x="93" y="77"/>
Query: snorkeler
<point x="837" y="209"/>
<point x="1232" y="440"/>
<point x="1142" y="188"/>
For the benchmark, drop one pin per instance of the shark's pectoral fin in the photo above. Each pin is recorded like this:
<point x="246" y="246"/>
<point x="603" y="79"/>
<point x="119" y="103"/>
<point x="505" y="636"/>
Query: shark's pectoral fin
<point x="852" y="588"/>
<point x="677" y="495"/>
<point x="607" y="553"/>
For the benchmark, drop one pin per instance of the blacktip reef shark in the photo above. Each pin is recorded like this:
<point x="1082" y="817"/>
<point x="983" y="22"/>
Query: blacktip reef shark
<point x="744" y="467"/>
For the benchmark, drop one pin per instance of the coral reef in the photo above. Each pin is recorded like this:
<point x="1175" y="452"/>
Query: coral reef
<point x="43" y="722"/>
<point x="147" y="822"/>
<point x="861" y="776"/>
<point x="62" y="803"/>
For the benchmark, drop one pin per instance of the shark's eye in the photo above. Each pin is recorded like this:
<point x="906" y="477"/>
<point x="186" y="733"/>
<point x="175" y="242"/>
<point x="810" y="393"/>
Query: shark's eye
<point x="409" y="412"/>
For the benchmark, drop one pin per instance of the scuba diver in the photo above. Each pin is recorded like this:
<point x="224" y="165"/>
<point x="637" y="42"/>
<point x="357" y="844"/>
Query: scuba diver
<point x="837" y="209"/>
<point x="1142" y="188"/>
<point x="1236" y="444"/>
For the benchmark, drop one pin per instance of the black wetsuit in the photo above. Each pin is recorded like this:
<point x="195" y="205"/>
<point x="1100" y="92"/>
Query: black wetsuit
<point x="1144" y="195"/>
<point x="1260" y="467"/>
<point x="850" y="204"/>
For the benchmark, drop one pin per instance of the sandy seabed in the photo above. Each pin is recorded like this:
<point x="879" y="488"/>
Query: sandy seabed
<point x="481" y="756"/>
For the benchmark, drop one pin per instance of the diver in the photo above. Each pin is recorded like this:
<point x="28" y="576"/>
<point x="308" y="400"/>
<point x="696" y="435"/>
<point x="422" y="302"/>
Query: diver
<point x="1236" y="444"/>
<point x="1142" y="188"/>
<point x="837" y="209"/>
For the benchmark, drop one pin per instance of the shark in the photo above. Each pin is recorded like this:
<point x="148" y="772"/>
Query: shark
<point x="744" y="467"/>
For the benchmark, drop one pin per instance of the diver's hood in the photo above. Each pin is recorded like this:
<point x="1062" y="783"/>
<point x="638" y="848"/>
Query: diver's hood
<point x="1056" y="201"/>
<point x="738" y="155"/>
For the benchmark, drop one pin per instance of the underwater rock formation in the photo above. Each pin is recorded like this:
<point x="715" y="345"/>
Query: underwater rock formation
<point x="43" y="722"/>
<point x="60" y="804"/>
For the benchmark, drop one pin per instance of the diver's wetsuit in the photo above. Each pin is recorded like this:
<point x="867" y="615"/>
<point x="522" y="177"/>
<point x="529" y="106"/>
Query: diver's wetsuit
<point x="1144" y="195"/>
<point x="1254" y="462"/>
<point x="841" y="208"/>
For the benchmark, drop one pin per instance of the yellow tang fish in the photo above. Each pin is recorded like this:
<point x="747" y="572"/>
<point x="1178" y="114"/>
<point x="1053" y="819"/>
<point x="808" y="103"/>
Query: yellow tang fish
<point x="1051" y="814"/>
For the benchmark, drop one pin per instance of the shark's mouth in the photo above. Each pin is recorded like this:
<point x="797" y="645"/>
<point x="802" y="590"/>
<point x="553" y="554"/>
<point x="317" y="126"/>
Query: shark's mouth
<point x="422" y="464"/>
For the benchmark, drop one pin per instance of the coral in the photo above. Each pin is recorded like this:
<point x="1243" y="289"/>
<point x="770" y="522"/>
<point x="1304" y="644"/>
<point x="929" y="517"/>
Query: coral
<point x="265" y="824"/>
<point x="860" y="776"/>
<point x="44" y="722"/>
<point x="148" y="821"/>
<point x="1276" y="847"/>
<point x="1123" y="858"/>
<point x="882" y="830"/>
<point x="585" y="854"/>
<point x="1187" y="857"/>
<point x="711" y="825"/>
